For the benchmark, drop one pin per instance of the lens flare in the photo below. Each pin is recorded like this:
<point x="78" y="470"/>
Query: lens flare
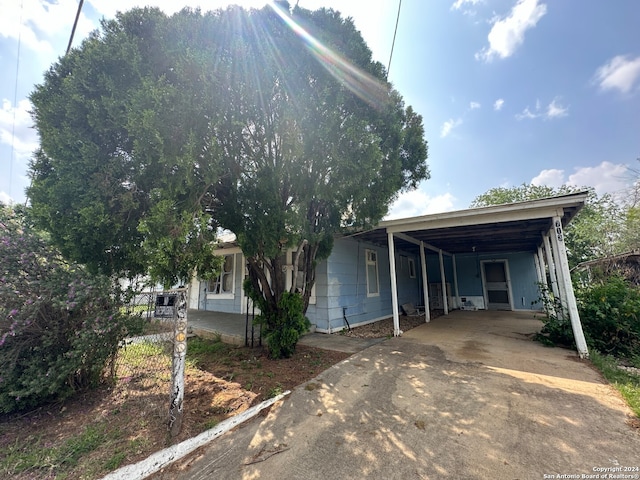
<point x="360" y="83"/>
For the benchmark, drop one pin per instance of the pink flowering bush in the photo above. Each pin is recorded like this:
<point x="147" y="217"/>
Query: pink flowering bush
<point x="59" y="326"/>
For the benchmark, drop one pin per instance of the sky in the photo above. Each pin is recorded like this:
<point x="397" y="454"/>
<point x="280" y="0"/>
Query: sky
<point x="510" y="91"/>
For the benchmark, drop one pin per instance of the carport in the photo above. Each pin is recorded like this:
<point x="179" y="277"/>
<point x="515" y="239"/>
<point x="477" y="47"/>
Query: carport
<point x="535" y="227"/>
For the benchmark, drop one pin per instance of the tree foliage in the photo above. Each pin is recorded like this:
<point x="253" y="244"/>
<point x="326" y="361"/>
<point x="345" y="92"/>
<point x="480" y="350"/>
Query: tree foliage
<point x="60" y="326"/>
<point x="274" y="124"/>
<point x="596" y="230"/>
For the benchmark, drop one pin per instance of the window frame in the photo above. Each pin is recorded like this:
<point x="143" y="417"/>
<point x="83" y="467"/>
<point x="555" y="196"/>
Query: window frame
<point x="373" y="263"/>
<point x="219" y="280"/>
<point x="412" y="267"/>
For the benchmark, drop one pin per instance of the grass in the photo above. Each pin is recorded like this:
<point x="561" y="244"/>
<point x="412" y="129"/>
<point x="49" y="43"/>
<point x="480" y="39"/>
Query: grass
<point x="32" y="455"/>
<point x="626" y="383"/>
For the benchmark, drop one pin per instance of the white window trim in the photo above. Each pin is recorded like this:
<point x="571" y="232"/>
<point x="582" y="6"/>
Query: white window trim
<point x="289" y="277"/>
<point x="226" y="295"/>
<point x="367" y="262"/>
<point x="412" y="268"/>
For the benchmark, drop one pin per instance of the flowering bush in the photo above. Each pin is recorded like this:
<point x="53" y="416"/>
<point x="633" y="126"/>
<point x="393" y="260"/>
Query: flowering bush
<point x="59" y="325"/>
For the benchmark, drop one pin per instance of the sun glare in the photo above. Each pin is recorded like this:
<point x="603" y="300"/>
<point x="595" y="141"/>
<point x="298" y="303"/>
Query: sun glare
<point x="362" y="84"/>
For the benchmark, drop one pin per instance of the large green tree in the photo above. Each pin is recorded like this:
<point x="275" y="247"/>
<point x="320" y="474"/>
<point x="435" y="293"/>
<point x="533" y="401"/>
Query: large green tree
<point x="275" y="124"/>
<point x="596" y="230"/>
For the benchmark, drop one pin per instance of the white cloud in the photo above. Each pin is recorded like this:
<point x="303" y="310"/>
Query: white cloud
<point x="497" y="105"/>
<point x="461" y="3"/>
<point x="5" y="198"/>
<point x="449" y="125"/>
<point x="37" y="22"/>
<point x="507" y="33"/>
<point x="474" y="105"/>
<point x="417" y="202"/>
<point x="553" y="110"/>
<point x="16" y="128"/>
<point x="607" y="177"/>
<point x="619" y="73"/>
<point x="551" y="178"/>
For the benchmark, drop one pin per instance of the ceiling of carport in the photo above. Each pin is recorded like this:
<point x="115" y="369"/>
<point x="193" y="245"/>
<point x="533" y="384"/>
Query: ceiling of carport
<point x="515" y="235"/>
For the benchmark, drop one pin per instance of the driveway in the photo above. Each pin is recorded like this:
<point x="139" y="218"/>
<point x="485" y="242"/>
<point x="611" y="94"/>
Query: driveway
<point x="466" y="396"/>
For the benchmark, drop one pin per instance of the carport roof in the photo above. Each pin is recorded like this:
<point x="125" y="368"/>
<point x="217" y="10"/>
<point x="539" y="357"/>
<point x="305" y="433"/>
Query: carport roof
<point x="513" y="227"/>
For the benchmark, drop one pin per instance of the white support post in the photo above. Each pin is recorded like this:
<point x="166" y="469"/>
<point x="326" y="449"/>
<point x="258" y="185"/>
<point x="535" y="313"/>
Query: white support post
<point x="176" y="404"/>
<point x="565" y="279"/>
<point x="444" y="284"/>
<point x="455" y="283"/>
<point x="540" y="268"/>
<point x="542" y="275"/>
<point x="394" y="287"/>
<point x="557" y="295"/>
<point x="536" y="264"/>
<point x="425" y="284"/>
<point x="563" y="301"/>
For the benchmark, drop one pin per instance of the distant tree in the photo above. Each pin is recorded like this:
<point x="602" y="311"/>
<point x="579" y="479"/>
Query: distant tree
<point x="594" y="232"/>
<point x="158" y="130"/>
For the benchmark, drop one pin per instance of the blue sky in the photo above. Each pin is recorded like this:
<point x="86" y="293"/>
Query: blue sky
<point x="511" y="91"/>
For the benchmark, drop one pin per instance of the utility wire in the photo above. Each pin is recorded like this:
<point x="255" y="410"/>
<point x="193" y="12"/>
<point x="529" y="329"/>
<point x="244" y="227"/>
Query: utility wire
<point x="15" y="106"/>
<point x="75" y="24"/>
<point x="393" y="44"/>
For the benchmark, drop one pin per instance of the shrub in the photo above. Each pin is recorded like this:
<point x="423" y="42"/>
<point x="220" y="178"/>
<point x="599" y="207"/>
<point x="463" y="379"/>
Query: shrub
<point x="282" y="328"/>
<point x="610" y="314"/>
<point x="59" y="326"/>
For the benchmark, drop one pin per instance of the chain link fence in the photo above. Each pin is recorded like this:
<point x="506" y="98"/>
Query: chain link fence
<point x="143" y="369"/>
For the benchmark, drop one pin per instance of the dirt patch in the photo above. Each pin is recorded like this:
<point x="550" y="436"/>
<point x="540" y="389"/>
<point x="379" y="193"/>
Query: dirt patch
<point x="384" y="328"/>
<point x="101" y="430"/>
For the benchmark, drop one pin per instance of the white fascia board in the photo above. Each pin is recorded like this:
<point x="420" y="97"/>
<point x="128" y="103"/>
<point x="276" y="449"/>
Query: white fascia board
<point x="546" y="207"/>
<point x="471" y="217"/>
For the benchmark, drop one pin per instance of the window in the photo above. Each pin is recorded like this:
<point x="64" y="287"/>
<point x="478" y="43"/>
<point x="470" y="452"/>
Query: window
<point x="412" y="268"/>
<point x="373" y="286"/>
<point x="223" y="283"/>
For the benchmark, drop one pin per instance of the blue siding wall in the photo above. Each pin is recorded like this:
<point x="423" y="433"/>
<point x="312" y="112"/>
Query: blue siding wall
<point x="347" y="284"/>
<point x="522" y="272"/>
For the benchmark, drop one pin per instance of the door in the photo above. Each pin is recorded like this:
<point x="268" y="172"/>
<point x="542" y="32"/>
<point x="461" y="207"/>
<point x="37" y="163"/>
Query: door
<point x="497" y="285"/>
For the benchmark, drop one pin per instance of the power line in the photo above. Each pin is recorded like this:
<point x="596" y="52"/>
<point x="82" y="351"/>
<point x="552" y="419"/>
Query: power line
<point x="75" y="24"/>
<point x="393" y="44"/>
<point x="15" y="106"/>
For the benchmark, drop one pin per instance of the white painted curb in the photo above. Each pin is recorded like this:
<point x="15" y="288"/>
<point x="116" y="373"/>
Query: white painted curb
<point x="159" y="460"/>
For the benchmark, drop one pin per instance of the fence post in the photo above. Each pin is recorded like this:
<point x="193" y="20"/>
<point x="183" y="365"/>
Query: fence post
<point x="177" y="366"/>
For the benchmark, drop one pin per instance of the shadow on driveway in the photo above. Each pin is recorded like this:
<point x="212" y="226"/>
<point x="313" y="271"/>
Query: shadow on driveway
<point x="466" y="396"/>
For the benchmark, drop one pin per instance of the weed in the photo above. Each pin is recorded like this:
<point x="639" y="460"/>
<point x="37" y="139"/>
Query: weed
<point x="626" y="383"/>
<point x="115" y="461"/>
<point x="275" y="391"/>
<point x="209" y="424"/>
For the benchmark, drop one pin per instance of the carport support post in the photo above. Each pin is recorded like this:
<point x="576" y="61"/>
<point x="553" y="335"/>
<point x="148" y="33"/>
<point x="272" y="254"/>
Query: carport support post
<point x="455" y="283"/>
<point x="394" y="286"/>
<point x="552" y="274"/>
<point x="565" y="278"/>
<point x="444" y="283"/>
<point x="425" y="284"/>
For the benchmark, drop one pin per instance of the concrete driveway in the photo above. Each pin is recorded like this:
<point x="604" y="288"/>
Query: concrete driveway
<point x="466" y="396"/>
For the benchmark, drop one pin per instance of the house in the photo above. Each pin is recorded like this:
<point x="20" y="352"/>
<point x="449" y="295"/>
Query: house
<point x="492" y="257"/>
